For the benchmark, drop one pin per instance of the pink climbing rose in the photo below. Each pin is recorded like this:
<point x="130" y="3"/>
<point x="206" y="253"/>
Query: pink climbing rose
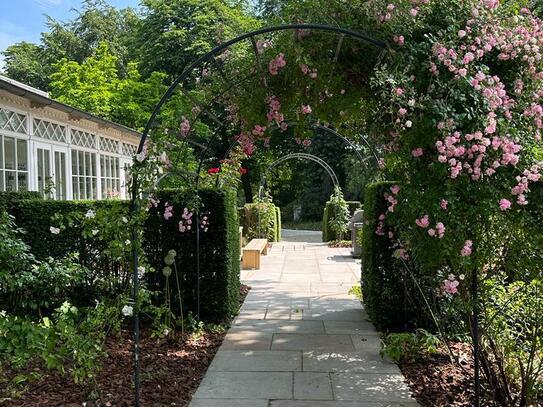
<point x="467" y="249"/>
<point x="443" y="204"/>
<point x="395" y="189"/>
<point x="505" y="204"/>
<point x="277" y="63"/>
<point x="306" y="109"/>
<point x="423" y="222"/>
<point x="417" y="152"/>
<point x="168" y="211"/>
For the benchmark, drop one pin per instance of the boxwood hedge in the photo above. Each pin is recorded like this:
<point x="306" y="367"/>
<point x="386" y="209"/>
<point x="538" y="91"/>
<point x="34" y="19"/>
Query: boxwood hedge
<point x="383" y="277"/>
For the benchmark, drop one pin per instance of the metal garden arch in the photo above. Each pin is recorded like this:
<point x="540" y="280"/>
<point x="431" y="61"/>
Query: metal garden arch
<point x="210" y="57"/>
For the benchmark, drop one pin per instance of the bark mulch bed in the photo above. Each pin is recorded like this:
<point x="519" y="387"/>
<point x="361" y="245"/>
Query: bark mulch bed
<point x="172" y="369"/>
<point x="436" y="382"/>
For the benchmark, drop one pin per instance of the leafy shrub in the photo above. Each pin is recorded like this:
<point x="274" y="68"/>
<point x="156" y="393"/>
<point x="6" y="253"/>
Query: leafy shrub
<point x="32" y="286"/>
<point x="339" y="214"/>
<point x="513" y="339"/>
<point x="407" y="346"/>
<point x="328" y="212"/>
<point x="70" y="342"/>
<point x="260" y="221"/>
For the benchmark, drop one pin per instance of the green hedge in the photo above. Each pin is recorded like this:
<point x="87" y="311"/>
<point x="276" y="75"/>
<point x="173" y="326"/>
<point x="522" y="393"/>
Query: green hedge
<point x="383" y="277"/>
<point x="8" y="198"/>
<point x="327" y="234"/>
<point x="261" y="220"/>
<point x="219" y="254"/>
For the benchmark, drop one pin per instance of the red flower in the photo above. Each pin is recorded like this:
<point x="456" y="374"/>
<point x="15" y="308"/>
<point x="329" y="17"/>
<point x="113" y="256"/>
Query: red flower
<point x="243" y="171"/>
<point x="214" y="170"/>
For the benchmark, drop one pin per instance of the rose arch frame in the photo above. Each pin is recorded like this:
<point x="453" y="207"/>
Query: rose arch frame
<point x="209" y="57"/>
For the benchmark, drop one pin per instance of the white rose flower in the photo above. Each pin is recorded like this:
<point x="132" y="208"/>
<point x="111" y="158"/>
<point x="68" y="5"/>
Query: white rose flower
<point x="128" y="310"/>
<point x="94" y="232"/>
<point x="127" y="242"/>
<point x="54" y="230"/>
<point x="408" y="124"/>
<point x="125" y="220"/>
<point x="90" y="214"/>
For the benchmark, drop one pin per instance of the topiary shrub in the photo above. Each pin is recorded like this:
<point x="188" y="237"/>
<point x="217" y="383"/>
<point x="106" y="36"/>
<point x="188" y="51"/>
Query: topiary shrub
<point x="327" y="234"/>
<point x="383" y="277"/>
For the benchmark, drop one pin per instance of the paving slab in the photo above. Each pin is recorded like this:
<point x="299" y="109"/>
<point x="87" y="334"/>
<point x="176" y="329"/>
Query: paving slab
<point x="257" y="361"/>
<point x="312" y="386"/>
<point x="303" y="403"/>
<point x="370" y="387"/>
<point x="249" y="340"/>
<point x="246" y="385"/>
<point x="278" y="326"/>
<point x="229" y="403"/>
<point x="312" y="342"/>
<point x="369" y="362"/>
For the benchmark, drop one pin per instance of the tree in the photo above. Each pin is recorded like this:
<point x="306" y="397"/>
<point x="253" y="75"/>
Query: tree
<point x="89" y="86"/>
<point x="74" y="40"/>
<point x="24" y="61"/>
<point x="174" y="33"/>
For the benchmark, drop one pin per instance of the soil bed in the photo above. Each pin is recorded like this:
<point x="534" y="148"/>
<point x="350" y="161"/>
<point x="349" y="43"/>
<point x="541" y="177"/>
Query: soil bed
<point x="172" y="368"/>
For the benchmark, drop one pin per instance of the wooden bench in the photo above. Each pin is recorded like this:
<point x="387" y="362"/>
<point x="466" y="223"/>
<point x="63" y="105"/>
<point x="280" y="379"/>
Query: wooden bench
<point x="251" y="253"/>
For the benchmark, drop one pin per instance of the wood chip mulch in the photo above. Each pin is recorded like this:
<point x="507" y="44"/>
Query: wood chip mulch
<point x="172" y="368"/>
<point x="437" y="382"/>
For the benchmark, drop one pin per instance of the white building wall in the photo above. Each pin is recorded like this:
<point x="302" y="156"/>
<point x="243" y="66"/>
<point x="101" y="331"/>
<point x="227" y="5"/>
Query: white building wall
<point x="113" y="141"/>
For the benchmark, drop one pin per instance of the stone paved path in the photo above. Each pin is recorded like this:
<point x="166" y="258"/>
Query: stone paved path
<point x="301" y="341"/>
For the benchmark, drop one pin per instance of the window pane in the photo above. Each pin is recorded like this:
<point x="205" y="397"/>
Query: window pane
<point x="74" y="163"/>
<point x="93" y="165"/>
<point x="75" y="187"/>
<point x="94" y="189"/>
<point x="21" y="155"/>
<point x="23" y="183"/>
<point x="11" y="181"/>
<point x="2" y="180"/>
<point x="9" y="143"/>
<point x="1" y="153"/>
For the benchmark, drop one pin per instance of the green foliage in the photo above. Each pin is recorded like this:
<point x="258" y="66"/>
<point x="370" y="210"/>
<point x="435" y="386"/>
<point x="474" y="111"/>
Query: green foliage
<point x="175" y="33"/>
<point x="356" y="290"/>
<point x="278" y="224"/>
<point x="408" y="346"/>
<point x="260" y="221"/>
<point x="70" y="342"/>
<point x="382" y="275"/>
<point x="513" y="340"/>
<point x="8" y="198"/>
<point x="338" y="218"/>
<point x="74" y="40"/>
<point x="328" y="214"/>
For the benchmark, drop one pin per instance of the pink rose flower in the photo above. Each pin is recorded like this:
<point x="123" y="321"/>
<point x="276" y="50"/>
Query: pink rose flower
<point x="505" y="204"/>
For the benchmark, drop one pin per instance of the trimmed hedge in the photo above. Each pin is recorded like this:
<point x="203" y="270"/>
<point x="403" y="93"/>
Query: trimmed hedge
<point x="261" y="220"/>
<point x="219" y="253"/>
<point x="327" y="234"/>
<point x="219" y="250"/>
<point x="383" y="277"/>
<point x="8" y="198"/>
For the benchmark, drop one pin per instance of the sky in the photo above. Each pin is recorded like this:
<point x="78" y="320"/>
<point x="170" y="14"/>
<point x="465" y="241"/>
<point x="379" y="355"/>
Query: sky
<point x="24" y="20"/>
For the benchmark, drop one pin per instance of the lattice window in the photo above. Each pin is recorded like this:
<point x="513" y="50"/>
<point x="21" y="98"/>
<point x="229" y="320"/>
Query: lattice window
<point x="49" y="131"/>
<point x="129" y="150"/>
<point x="12" y="121"/>
<point x="83" y="139"/>
<point x="109" y="145"/>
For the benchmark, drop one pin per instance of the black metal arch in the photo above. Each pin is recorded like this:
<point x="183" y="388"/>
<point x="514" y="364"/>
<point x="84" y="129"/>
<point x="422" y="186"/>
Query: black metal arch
<point x="180" y="80"/>
<point x="299" y="156"/>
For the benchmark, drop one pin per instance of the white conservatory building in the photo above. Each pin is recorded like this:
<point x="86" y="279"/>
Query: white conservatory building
<point x="61" y="151"/>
